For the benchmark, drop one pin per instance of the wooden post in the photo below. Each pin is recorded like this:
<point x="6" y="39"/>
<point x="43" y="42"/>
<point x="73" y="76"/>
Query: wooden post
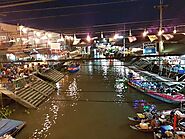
<point x="174" y="121"/>
<point x="1" y="100"/>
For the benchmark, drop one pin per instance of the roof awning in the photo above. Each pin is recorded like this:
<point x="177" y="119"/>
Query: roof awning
<point x="21" y="55"/>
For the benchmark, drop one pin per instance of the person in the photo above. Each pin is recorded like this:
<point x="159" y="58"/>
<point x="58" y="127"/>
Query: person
<point x="155" y="123"/>
<point x="130" y="75"/>
<point x="148" y="114"/>
<point x="169" y="134"/>
<point x="143" y="125"/>
<point x="162" y="119"/>
<point x="180" y="136"/>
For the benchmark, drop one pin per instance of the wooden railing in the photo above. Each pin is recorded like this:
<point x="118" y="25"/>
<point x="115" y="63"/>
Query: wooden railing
<point x="17" y="83"/>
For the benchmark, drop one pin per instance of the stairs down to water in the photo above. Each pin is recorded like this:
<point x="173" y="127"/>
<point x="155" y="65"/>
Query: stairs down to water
<point x="178" y="87"/>
<point x="32" y="95"/>
<point x="52" y="75"/>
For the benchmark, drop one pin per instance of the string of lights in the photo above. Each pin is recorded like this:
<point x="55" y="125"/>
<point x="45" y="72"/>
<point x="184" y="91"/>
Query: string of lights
<point x="111" y="30"/>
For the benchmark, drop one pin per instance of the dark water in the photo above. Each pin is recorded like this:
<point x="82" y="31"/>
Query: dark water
<point x="88" y="105"/>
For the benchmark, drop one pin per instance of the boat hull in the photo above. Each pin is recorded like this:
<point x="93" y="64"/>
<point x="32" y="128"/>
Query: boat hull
<point x="10" y="127"/>
<point x="73" y="69"/>
<point x="145" y="91"/>
<point x="136" y="127"/>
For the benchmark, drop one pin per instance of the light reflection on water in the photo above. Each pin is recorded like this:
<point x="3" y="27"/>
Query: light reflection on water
<point x="49" y="120"/>
<point x="73" y="92"/>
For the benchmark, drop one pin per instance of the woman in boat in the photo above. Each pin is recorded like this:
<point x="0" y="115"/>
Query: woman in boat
<point x="144" y="125"/>
<point x="155" y="123"/>
<point x="181" y="136"/>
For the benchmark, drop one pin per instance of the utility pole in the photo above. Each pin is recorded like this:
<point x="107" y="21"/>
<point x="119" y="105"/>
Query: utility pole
<point x="161" y="47"/>
<point x="124" y="44"/>
<point x="161" y="7"/>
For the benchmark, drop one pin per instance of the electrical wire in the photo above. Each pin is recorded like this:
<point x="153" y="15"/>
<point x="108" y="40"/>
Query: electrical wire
<point x="24" y="3"/>
<point x="79" y="6"/>
<point x="101" y="26"/>
<point x="13" y="1"/>
<point x="52" y="16"/>
<point x="71" y="6"/>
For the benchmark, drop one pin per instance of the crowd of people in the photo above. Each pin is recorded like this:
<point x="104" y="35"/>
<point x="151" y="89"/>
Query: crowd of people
<point x="165" y="123"/>
<point x="12" y="72"/>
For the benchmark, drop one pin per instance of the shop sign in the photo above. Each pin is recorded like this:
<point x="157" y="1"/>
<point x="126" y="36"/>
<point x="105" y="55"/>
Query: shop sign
<point x="3" y="38"/>
<point x="149" y="48"/>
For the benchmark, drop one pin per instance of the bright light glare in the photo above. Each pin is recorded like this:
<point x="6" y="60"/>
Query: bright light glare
<point x="88" y="38"/>
<point x="24" y="30"/>
<point x="116" y="36"/>
<point x="38" y="34"/>
<point x="145" y="33"/>
<point x="160" y="32"/>
<point x="175" y="30"/>
<point x="37" y="40"/>
<point x="49" y="35"/>
<point x="21" y="27"/>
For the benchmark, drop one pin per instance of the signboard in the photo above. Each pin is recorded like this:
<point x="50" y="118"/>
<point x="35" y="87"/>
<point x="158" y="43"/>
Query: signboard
<point x="182" y="106"/>
<point x="55" y="46"/>
<point x="149" y="48"/>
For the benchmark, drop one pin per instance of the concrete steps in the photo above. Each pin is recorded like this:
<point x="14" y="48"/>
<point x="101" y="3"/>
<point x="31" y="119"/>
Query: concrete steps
<point x="32" y="95"/>
<point x="52" y="75"/>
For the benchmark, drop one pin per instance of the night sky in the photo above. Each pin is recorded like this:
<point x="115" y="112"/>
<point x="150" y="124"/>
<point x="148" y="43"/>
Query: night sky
<point x="69" y="16"/>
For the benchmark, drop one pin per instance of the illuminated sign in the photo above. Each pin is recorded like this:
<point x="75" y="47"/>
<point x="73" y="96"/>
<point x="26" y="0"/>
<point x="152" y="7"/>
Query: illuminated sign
<point x="149" y="48"/>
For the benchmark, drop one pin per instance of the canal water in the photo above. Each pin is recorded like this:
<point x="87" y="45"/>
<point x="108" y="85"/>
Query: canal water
<point x="89" y="104"/>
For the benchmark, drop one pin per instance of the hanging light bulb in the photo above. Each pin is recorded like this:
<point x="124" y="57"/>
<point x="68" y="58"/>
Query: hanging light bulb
<point x="130" y="32"/>
<point x="88" y="38"/>
<point x="21" y="27"/>
<point x="160" y="32"/>
<point x="67" y="37"/>
<point x="145" y="33"/>
<point x="116" y="36"/>
<point x="61" y="39"/>
<point x="38" y="34"/>
<point x="174" y="30"/>
<point x="37" y="41"/>
<point x="49" y="35"/>
<point x="74" y="36"/>
<point x="24" y="30"/>
<point x="102" y="35"/>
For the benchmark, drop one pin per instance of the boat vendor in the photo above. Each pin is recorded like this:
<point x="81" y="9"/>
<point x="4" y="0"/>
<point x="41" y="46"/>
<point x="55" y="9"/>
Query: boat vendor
<point x="155" y="123"/>
<point x="130" y="74"/>
<point x="162" y="119"/>
<point x="180" y="135"/>
<point x="144" y="125"/>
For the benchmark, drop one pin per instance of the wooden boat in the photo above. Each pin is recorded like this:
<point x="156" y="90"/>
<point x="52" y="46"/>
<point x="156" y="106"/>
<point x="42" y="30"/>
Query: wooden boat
<point x="73" y="68"/>
<point x="164" y="132"/>
<point x="10" y="127"/>
<point x="176" y="98"/>
<point x="138" y="128"/>
<point x="137" y="118"/>
<point x="134" y="119"/>
<point x="6" y="137"/>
